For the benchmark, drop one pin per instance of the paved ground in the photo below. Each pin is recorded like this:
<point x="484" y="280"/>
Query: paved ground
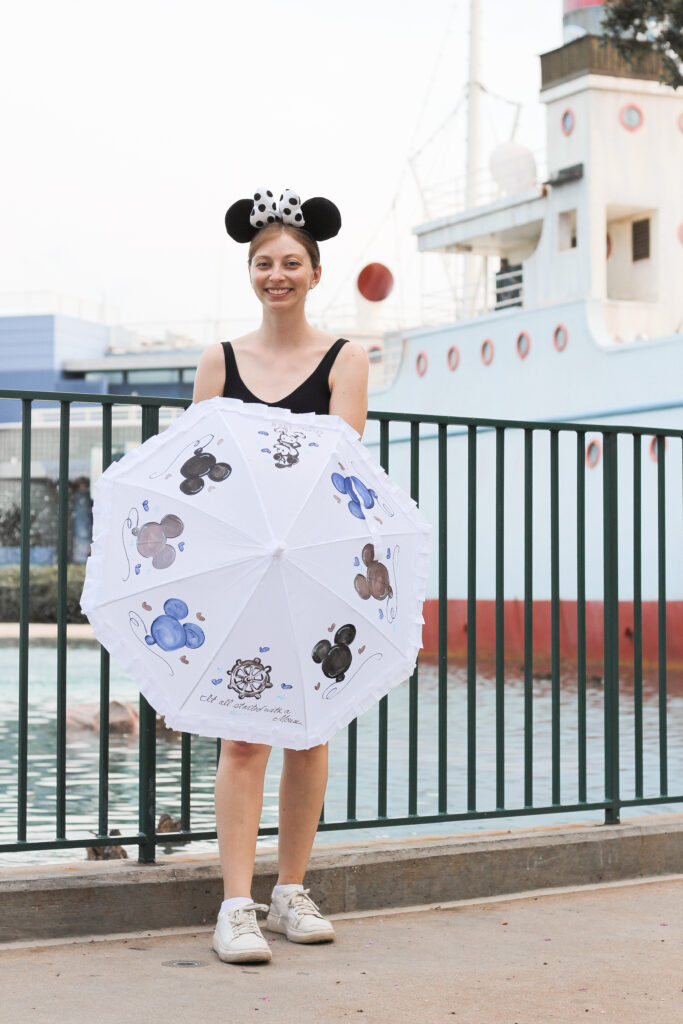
<point x="611" y="953"/>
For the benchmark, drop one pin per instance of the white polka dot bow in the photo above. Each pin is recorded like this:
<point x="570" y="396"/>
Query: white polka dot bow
<point x="266" y="209"/>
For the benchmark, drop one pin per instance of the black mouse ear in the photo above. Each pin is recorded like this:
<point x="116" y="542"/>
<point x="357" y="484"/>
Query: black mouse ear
<point x="345" y="634"/>
<point x="321" y="649"/>
<point x="237" y="222"/>
<point x="322" y="219"/>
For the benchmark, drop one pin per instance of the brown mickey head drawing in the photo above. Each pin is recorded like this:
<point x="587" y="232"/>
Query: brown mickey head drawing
<point x="376" y="583"/>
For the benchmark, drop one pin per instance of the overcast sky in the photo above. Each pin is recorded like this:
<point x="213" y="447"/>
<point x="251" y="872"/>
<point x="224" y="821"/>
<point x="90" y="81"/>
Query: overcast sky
<point x="127" y="129"/>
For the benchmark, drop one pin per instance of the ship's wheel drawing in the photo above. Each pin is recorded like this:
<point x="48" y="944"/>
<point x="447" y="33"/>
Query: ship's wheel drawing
<point x="249" y="678"/>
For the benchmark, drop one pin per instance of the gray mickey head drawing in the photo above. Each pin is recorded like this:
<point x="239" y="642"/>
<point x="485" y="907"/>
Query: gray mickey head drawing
<point x="151" y="540"/>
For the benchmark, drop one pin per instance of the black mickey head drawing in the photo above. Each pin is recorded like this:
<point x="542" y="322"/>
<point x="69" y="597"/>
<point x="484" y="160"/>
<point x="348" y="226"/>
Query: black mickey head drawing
<point x="376" y="582"/>
<point x="336" y="658"/>
<point x="199" y="465"/>
<point x="286" y="448"/>
<point x="151" y="540"/>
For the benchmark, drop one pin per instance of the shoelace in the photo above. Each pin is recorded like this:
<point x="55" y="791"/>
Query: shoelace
<point x="243" y="919"/>
<point x="301" y="903"/>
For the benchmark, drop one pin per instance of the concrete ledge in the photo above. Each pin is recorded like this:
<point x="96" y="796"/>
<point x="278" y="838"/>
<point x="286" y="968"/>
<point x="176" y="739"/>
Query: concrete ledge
<point x="94" y="898"/>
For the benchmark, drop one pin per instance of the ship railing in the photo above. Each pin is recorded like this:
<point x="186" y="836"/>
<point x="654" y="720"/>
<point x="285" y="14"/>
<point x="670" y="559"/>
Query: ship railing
<point x="552" y="622"/>
<point x="455" y="194"/>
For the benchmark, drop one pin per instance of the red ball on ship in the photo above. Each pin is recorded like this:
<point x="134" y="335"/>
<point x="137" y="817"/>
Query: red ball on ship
<point x="375" y="282"/>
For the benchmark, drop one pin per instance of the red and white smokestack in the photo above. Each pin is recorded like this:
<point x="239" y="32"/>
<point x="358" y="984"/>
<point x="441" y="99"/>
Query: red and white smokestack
<point x="581" y="16"/>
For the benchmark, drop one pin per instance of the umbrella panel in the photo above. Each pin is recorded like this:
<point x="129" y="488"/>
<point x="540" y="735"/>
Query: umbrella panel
<point x="153" y="540"/>
<point x="166" y="636"/>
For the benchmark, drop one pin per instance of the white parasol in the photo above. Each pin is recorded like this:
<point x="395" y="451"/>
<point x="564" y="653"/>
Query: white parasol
<point x="257" y="573"/>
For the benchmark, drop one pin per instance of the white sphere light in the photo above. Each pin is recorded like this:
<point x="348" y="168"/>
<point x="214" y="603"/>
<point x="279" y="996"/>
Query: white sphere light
<point x="513" y="167"/>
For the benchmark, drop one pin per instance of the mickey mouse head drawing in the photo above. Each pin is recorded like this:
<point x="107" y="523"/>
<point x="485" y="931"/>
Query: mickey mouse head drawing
<point x="359" y="495"/>
<point x="199" y="465"/>
<point x="169" y="633"/>
<point x="376" y="582"/>
<point x="335" y="659"/>
<point x="151" y="538"/>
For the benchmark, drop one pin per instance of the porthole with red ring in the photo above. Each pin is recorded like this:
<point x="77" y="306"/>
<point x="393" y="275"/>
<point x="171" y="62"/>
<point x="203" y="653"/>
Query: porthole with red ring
<point x="568" y="121"/>
<point x="680" y="122"/>
<point x="421" y="364"/>
<point x="453" y="357"/>
<point x="680" y="233"/>
<point x="593" y="453"/>
<point x="631" y="117"/>
<point x="488" y="351"/>
<point x="608" y="245"/>
<point x="560" y="338"/>
<point x="656" y="447"/>
<point x="375" y="354"/>
<point x="523" y="345"/>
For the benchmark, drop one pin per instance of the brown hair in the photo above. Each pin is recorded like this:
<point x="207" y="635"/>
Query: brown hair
<point x="308" y="241"/>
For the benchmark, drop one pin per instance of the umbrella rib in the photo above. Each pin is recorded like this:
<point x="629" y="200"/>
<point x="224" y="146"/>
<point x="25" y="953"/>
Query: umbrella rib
<point x="185" y="501"/>
<point x="181" y="579"/>
<point x="304" y="502"/>
<point x="402" y="532"/>
<point x="296" y="648"/>
<point x="247" y="465"/>
<point x="355" y="611"/>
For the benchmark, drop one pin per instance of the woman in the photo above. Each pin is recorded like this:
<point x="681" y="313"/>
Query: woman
<point x="316" y="373"/>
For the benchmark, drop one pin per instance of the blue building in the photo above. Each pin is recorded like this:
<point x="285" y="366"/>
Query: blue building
<point x="53" y="352"/>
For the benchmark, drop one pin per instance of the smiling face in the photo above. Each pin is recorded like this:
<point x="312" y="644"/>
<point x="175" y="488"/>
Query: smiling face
<point x="281" y="271"/>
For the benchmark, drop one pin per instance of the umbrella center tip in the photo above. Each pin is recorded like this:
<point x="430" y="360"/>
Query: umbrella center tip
<point x="277" y="548"/>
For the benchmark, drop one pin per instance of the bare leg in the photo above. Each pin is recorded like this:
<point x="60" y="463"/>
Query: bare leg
<point x="302" y="791"/>
<point x="239" y="801"/>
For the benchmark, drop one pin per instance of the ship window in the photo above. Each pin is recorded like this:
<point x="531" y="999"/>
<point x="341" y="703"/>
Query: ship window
<point x="593" y="453"/>
<point x="188" y="375"/>
<point x="657" y="445"/>
<point x="640" y="239"/>
<point x="453" y="357"/>
<point x="523" y="345"/>
<point x="487" y="352"/>
<point x="631" y="117"/>
<point x="568" y="122"/>
<point x="560" y="337"/>
<point x="153" y="376"/>
<point x="567" y="230"/>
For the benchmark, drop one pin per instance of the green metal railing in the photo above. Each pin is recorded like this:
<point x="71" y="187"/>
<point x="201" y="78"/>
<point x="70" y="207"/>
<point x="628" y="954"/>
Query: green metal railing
<point x="409" y="440"/>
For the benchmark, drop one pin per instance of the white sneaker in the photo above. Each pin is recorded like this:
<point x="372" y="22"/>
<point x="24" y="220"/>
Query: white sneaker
<point x="294" y="913"/>
<point x="238" y="938"/>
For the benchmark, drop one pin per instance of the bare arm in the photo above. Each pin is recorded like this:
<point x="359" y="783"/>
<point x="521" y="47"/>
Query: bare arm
<point x="210" y="378"/>
<point x="349" y="385"/>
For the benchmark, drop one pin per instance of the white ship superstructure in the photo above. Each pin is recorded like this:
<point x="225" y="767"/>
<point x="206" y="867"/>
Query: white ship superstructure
<point x="579" y="306"/>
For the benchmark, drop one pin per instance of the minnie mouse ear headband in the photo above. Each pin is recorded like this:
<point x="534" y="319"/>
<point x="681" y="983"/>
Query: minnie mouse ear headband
<point x="245" y="218"/>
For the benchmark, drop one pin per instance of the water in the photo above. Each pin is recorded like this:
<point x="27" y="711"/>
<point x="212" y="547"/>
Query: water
<point x="83" y="756"/>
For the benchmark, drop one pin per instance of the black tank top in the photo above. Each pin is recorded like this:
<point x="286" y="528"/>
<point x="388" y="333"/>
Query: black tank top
<point x="313" y="395"/>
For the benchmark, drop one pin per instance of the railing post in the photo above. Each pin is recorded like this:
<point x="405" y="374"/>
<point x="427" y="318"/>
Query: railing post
<point x="148" y="752"/>
<point x="610" y="500"/>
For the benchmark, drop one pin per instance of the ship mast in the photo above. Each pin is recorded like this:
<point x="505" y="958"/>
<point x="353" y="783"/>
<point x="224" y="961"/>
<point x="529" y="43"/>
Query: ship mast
<point x="473" y="121"/>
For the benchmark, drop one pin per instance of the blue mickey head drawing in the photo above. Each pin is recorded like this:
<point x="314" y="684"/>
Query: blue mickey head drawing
<point x="360" y="496"/>
<point x="169" y="633"/>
